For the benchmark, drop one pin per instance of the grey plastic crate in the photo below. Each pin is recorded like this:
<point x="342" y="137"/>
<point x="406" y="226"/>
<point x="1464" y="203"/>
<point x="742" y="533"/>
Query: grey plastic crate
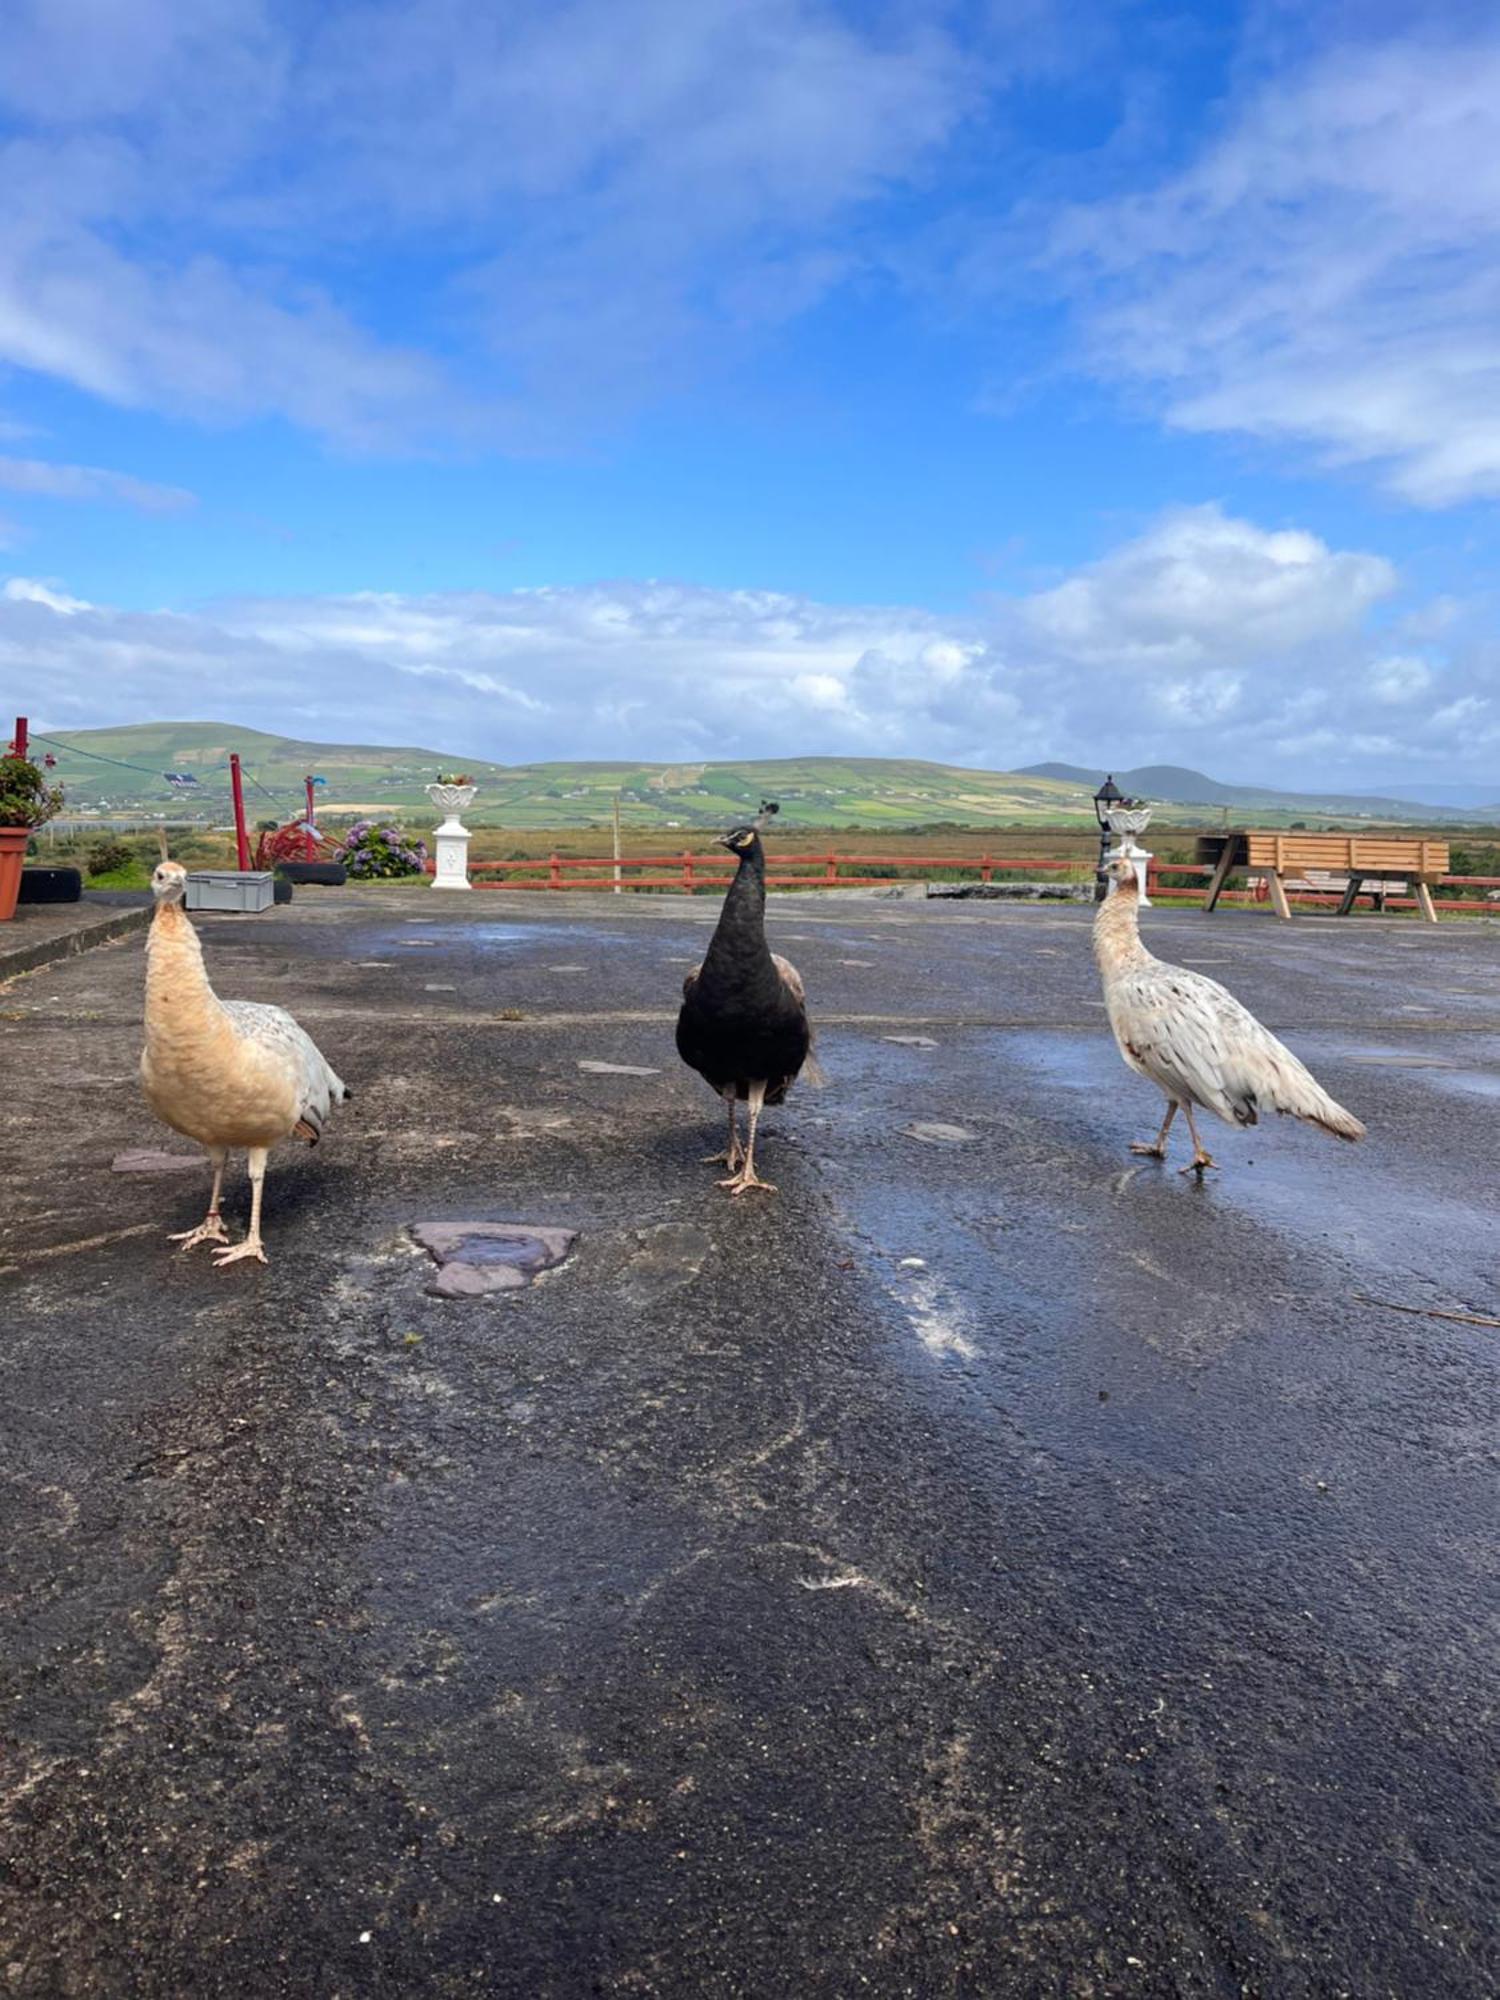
<point x="227" y="889"/>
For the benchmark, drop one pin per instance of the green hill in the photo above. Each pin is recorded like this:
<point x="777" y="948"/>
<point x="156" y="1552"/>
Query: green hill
<point x="123" y="772"/>
<point x="1187" y="787"/>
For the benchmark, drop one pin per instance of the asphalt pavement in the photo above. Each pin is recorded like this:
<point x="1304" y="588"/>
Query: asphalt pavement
<point x="993" y="1565"/>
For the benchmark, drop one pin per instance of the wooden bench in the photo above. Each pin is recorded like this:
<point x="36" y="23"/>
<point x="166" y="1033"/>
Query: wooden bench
<point x="1359" y="857"/>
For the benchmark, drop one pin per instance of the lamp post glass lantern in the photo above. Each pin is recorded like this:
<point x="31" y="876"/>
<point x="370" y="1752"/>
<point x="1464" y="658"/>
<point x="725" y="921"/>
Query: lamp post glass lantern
<point x="1106" y="799"/>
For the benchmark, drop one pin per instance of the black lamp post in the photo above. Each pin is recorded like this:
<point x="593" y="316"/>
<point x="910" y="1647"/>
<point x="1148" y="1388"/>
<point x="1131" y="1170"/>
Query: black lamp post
<point x="1108" y="795"/>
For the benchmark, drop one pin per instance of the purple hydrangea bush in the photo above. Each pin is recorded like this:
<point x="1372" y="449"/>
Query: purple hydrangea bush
<point x="374" y="853"/>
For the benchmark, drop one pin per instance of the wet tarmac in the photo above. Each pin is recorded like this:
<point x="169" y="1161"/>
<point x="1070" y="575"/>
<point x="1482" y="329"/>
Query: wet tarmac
<point x="994" y="1565"/>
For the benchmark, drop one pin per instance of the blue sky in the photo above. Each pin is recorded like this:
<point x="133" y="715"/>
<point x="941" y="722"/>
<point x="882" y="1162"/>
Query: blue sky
<point x="986" y="381"/>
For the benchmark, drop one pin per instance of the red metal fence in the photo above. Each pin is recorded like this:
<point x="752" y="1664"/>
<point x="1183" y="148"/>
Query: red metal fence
<point x="692" y="871"/>
<point x="688" y="871"/>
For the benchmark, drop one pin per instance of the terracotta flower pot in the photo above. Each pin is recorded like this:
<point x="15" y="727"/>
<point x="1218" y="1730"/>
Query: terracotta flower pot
<point x="13" y="841"/>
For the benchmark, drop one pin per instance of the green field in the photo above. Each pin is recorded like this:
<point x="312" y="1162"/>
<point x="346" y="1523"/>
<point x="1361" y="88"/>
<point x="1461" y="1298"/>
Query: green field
<point x="118" y="773"/>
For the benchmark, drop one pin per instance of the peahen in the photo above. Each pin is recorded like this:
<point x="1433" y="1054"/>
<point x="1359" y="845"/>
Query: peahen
<point x="228" y="1073"/>
<point x="743" y="1024"/>
<point x="1194" y="1040"/>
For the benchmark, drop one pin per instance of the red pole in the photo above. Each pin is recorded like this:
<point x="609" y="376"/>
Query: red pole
<point x="19" y="746"/>
<point x="241" y="837"/>
<point x="309" y="845"/>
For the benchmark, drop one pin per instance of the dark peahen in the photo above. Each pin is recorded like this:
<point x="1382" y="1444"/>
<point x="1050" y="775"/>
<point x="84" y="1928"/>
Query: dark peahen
<point x="743" y="1024"/>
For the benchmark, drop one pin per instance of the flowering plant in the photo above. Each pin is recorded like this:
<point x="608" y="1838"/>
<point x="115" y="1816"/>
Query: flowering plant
<point x="289" y="843"/>
<point x="26" y="799"/>
<point x="374" y="853"/>
<point x="454" y="778"/>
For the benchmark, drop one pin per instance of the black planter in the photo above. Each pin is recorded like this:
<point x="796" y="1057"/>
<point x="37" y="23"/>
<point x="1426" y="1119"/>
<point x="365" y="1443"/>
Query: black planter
<point x="50" y="885"/>
<point x="326" y="874"/>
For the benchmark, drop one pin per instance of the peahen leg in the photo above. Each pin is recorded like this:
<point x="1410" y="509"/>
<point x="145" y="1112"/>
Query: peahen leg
<point x="1201" y="1156"/>
<point x="211" y="1229"/>
<point x="733" y="1151"/>
<point x="1157" y="1150"/>
<point x="251" y="1247"/>
<point x="747" y="1176"/>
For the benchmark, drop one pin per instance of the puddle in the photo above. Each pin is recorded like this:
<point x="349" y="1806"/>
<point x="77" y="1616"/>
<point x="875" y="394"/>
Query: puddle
<point x="521" y="1252"/>
<point x="1383" y="1061"/>
<point x="1468" y="1083"/>
<point x="483" y="936"/>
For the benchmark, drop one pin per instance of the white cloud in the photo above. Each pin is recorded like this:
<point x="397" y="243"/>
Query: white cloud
<point x="1399" y="677"/>
<point x="90" y="482"/>
<point x="204" y="340"/>
<point x="1327" y="272"/>
<point x="30" y="590"/>
<point x="1207" y="640"/>
<point x="1201" y="587"/>
<point x="589" y="196"/>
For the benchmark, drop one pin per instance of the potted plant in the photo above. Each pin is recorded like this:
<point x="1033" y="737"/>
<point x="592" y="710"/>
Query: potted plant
<point x="27" y="801"/>
<point x="453" y="791"/>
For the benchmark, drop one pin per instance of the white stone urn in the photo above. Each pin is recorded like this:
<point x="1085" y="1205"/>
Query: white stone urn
<point x="450" y="840"/>
<point x="1125" y="822"/>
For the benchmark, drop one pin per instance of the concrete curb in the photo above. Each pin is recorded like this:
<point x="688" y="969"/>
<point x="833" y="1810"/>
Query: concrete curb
<point x="21" y="958"/>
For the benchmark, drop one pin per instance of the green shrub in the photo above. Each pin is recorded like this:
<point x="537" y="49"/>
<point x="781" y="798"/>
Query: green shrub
<point x="110" y="857"/>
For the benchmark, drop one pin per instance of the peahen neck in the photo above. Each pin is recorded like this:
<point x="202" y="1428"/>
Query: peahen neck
<point x="1117" y="936"/>
<point x="178" y="994"/>
<point x="739" y="944"/>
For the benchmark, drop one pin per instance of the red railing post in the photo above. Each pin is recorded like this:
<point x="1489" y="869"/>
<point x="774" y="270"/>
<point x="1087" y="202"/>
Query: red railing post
<point x="1153" y="879"/>
<point x="554" y="863"/>
<point x="689" y="882"/>
<point x="241" y="834"/>
<point x="832" y="872"/>
<point x="986" y="869"/>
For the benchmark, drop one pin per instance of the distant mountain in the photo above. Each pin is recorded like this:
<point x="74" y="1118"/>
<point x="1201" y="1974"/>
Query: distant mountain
<point x="1462" y="798"/>
<point x="1177" y="785"/>
<point x="123" y="772"/>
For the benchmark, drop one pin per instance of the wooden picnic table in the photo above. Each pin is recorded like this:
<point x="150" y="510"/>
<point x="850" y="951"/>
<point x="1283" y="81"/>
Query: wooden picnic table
<point x="1361" y="858"/>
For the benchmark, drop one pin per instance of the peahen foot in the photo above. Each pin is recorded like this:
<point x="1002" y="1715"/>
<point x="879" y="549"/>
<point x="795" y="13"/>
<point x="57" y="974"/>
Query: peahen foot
<point x="251" y="1247"/>
<point x="210" y="1230"/>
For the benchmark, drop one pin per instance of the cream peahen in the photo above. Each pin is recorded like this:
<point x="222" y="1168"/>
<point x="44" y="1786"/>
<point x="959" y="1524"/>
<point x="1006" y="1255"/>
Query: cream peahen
<point x="228" y="1073"/>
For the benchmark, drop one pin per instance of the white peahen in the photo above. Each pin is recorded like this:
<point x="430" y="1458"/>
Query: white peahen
<point x="1194" y="1040"/>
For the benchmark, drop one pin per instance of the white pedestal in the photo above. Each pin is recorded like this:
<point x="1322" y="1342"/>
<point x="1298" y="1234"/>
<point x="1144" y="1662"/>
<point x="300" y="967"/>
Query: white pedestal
<point x="1125" y="822"/>
<point x="1139" y="860"/>
<point x="450" y="840"/>
<point x="451" y="851"/>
